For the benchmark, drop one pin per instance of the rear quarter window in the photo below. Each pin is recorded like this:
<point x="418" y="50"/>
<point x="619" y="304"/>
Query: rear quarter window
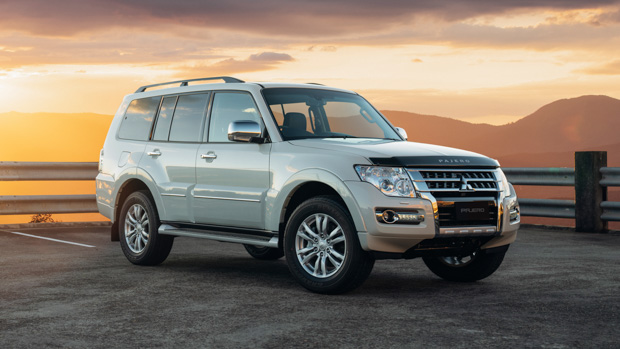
<point x="138" y="119"/>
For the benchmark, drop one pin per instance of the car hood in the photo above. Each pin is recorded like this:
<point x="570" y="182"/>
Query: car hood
<point x="399" y="153"/>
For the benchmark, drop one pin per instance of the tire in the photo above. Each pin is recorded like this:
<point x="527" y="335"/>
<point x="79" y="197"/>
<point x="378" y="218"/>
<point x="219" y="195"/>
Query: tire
<point x="264" y="253"/>
<point x="474" y="267"/>
<point x="322" y="248"/>
<point x="138" y="235"/>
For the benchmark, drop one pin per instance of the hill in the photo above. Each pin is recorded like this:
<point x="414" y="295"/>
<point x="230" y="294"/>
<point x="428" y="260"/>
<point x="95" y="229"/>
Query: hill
<point x="437" y="129"/>
<point x="549" y="135"/>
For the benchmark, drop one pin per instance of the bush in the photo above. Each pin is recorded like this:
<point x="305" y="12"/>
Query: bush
<point x="42" y="218"/>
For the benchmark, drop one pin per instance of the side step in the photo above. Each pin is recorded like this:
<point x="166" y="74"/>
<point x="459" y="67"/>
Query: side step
<point x="265" y="241"/>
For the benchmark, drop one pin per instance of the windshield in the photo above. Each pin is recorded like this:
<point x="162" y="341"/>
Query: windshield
<point x="313" y="113"/>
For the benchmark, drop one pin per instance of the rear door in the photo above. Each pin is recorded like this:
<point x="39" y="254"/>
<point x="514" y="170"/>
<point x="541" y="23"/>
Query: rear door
<point x="170" y="156"/>
<point x="232" y="178"/>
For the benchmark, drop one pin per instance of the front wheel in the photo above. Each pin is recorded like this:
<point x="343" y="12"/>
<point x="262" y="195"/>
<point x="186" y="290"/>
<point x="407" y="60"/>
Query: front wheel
<point x="322" y="249"/>
<point x="140" y="241"/>
<point x="469" y="268"/>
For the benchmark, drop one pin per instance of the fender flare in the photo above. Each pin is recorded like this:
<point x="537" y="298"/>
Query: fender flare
<point x="275" y="207"/>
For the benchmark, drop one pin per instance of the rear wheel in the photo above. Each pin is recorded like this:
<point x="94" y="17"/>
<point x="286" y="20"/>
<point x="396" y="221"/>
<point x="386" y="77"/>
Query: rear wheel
<point x="468" y="268"/>
<point x="322" y="249"/>
<point x="264" y="253"/>
<point x="140" y="241"/>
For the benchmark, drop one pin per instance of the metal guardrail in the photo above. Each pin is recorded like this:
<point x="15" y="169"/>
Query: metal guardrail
<point x="547" y="208"/>
<point x="589" y="177"/>
<point x="47" y="171"/>
<point x="611" y="211"/>
<point x="545" y="176"/>
<point x="600" y="178"/>
<point x="35" y="204"/>
<point x="611" y="176"/>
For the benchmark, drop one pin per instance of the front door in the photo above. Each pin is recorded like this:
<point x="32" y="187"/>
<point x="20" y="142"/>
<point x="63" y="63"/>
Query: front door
<point x="232" y="178"/>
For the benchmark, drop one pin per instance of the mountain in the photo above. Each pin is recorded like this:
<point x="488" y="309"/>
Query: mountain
<point x="437" y="129"/>
<point x="549" y="136"/>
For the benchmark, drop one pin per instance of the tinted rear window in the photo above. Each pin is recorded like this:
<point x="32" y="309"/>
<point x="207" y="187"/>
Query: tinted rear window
<point x="138" y="118"/>
<point x="188" y="117"/>
<point x="162" y="127"/>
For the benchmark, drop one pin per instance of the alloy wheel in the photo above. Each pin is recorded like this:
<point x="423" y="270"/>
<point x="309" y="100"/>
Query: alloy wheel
<point x="137" y="228"/>
<point x="320" y="245"/>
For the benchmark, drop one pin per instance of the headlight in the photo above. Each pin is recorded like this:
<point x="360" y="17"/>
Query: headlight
<point x="505" y="184"/>
<point x="392" y="181"/>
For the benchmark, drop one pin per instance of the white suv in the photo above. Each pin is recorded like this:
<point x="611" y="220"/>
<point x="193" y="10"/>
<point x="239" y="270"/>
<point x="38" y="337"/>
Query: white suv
<point x="305" y="171"/>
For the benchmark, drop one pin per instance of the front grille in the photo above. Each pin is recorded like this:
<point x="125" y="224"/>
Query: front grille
<point x="442" y="180"/>
<point x="458" y="188"/>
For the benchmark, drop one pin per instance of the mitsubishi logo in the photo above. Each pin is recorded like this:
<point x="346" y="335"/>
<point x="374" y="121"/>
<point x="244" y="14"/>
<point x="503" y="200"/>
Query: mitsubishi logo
<point x="465" y="186"/>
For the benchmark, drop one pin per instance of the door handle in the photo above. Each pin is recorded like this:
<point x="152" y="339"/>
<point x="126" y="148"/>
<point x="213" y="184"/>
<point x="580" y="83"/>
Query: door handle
<point x="154" y="153"/>
<point x="208" y="156"/>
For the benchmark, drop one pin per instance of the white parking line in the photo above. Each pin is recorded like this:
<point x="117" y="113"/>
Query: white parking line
<point x="50" y="239"/>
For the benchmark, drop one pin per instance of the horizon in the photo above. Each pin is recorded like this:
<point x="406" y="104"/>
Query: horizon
<point x="473" y="122"/>
<point x="478" y="61"/>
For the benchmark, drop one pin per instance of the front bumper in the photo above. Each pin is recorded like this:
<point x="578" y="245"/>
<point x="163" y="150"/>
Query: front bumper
<point x="398" y="238"/>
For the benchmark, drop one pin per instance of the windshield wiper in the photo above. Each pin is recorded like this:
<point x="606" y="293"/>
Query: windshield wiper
<point x="334" y="136"/>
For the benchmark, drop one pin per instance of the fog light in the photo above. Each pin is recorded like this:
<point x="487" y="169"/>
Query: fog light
<point x="392" y="217"/>
<point x="389" y="216"/>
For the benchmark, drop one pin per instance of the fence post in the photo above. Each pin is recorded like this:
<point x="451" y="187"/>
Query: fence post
<point x="588" y="191"/>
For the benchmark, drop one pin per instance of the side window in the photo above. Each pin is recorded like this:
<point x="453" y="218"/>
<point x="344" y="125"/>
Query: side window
<point x="229" y="107"/>
<point x="188" y="116"/>
<point x="138" y="118"/>
<point x="162" y="127"/>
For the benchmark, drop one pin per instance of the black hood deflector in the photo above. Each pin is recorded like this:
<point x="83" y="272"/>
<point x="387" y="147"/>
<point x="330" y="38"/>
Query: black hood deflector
<point x="437" y="161"/>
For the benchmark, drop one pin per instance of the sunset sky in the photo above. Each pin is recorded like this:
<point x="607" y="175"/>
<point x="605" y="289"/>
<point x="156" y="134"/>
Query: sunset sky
<point x="476" y="60"/>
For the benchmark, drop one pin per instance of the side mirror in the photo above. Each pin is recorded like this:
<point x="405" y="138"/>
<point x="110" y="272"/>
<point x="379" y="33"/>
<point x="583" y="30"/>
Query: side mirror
<point x="401" y="131"/>
<point x="245" y="131"/>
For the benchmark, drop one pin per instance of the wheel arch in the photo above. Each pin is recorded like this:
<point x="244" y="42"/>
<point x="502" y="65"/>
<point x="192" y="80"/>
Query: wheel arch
<point x="129" y="186"/>
<point x="304" y="187"/>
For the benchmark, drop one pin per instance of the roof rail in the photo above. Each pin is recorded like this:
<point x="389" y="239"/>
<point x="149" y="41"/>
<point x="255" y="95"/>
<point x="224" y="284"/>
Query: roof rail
<point x="227" y="79"/>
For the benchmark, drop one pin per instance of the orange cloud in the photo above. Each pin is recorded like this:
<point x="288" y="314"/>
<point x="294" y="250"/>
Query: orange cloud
<point x="611" y="68"/>
<point x="256" y="62"/>
<point x="158" y="32"/>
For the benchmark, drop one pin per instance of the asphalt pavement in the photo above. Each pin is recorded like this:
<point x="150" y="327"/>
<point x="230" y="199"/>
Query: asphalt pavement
<point x="555" y="289"/>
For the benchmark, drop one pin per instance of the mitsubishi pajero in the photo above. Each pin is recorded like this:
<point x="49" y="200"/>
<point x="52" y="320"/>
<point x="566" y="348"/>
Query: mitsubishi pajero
<point x="312" y="173"/>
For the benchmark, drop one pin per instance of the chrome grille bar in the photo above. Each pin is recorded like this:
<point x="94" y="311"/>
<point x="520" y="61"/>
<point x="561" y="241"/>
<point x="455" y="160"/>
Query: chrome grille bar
<point x="454" y="180"/>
